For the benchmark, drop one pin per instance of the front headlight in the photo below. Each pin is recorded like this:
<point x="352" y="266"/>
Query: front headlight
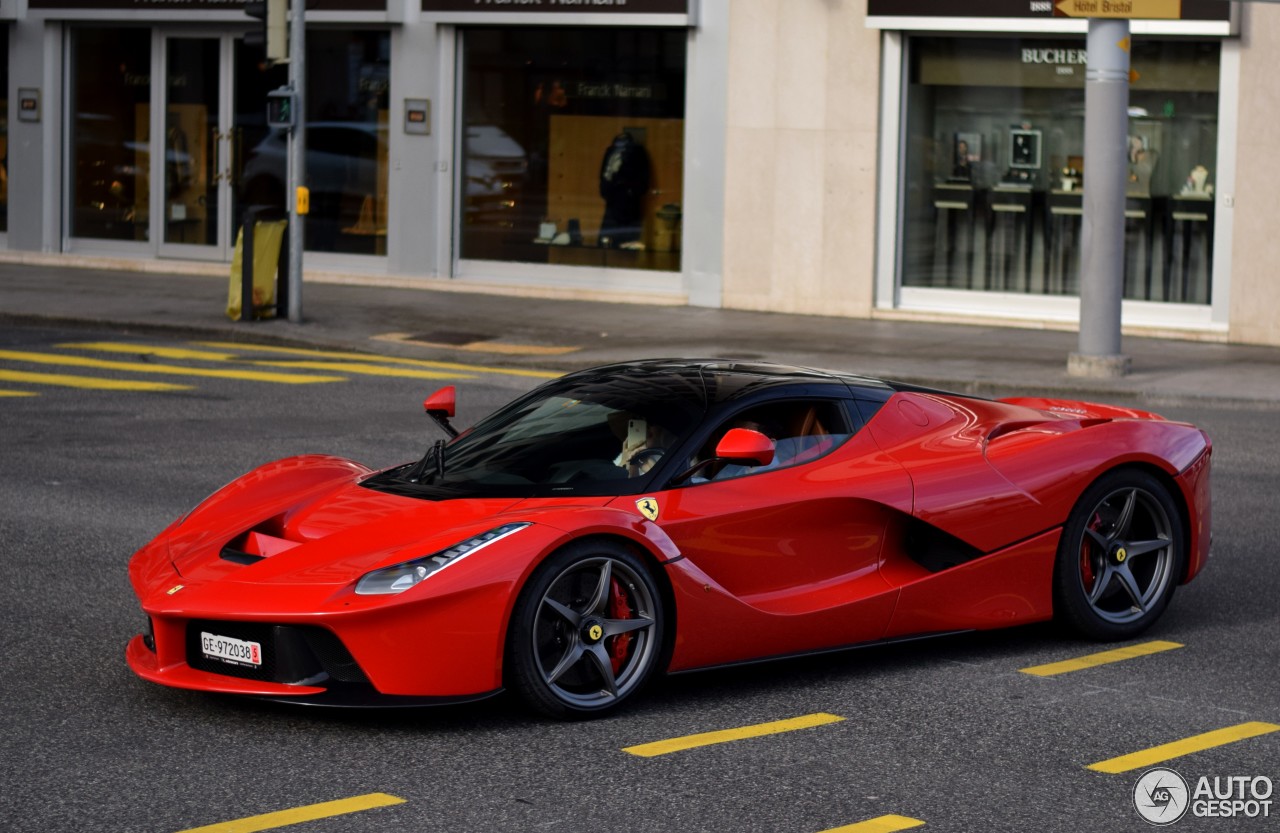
<point x="400" y="577"/>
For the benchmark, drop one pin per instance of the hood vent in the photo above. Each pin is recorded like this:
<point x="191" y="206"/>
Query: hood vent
<point x="256" y="544"/>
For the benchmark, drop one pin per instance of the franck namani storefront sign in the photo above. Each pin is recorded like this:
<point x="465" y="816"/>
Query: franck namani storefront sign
<point x="199" y="5"/>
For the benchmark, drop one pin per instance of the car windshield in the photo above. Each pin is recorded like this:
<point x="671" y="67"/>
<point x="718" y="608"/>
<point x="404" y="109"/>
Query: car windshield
<point x="587" y="434"/>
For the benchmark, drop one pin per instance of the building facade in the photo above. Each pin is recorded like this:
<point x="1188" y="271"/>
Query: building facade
<point x="859" y="158"/>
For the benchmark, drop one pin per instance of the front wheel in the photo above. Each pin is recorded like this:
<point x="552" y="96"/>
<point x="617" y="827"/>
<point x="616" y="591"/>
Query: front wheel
<point x="586" y="632"/>
<point x="1120" y="556"/>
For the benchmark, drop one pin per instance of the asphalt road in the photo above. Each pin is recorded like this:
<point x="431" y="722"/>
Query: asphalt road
<point x="948" y="731"/>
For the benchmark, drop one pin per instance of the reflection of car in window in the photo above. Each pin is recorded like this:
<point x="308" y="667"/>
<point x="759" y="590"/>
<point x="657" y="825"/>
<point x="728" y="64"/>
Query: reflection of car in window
<point x="495" y="170"/>
<point x="348" y="190"/>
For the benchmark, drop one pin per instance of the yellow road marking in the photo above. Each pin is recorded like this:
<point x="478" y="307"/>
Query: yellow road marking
<point x="365" y="369"/>
<point x="882" y="824"/>
<point x="366" y="357"/>
<point x="1102" y="658"/>
<point x="149" y="350"/>
<point x="486" y="346"/>
<point x="85" y="382"/>
<point x="147" y="367"/>
<point x="664" y="747"/>
<point x="206" y="355"/>
<point x="1197" y="743"/>
<point x="17" y="393"/>
<point x="311" y="812"/>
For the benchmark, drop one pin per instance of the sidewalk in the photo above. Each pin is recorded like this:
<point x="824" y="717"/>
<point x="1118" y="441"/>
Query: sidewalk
<point x="563" y="335"/>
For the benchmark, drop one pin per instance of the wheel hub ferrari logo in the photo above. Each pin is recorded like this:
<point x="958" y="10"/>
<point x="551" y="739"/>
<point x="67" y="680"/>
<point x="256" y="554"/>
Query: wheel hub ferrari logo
<point x="595" y="632"/>
<point x="1121" y="555"/>
<point x="648" y="507"/>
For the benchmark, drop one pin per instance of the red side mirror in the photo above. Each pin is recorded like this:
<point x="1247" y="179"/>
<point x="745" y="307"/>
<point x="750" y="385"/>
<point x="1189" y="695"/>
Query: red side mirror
<point x="742" y="445"/>
<point x="441" y="402"/>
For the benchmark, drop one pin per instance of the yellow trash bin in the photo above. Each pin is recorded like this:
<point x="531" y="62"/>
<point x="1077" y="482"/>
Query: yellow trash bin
<point x="268" y="235"/>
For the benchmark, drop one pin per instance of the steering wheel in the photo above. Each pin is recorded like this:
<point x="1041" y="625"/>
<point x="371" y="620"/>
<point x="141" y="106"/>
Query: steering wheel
<point x="645" y="456"/>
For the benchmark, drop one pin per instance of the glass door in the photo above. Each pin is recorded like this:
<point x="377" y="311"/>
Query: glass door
<point x="194" y="170"/>
<point x="219" y="154"/>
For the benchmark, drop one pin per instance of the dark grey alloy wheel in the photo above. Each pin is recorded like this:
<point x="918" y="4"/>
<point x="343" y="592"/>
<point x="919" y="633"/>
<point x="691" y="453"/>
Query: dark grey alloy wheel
<point x="1120" y="557"/>
<point x="586" y="631"/>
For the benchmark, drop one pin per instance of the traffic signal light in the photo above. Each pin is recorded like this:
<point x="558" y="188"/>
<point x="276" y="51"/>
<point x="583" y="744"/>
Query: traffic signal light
<point x="281" y="107"/>
<point x="274" y="34"/>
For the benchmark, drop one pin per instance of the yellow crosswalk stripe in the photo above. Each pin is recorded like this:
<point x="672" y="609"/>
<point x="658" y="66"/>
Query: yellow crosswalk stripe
<point x="179" y="353"/>
<point x="882" y="824"/>
<point x="85" y="382"/>
<point x="366" y="357"/>
<point x="664" y="747"/>
<point x="1178" y="748"/>
<point x="481" y="346"/>
<point x="365" y="369"/>
<point x="4" y="393"/>
<point x="311" y="812"/>
<point x="1101" y="658"/>
<point x="358" y="367"/>
<point x="178" y="370"/>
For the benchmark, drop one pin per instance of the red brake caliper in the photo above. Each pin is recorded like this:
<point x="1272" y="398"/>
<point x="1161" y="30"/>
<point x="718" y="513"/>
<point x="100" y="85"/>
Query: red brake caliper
<point x="619" y="608"/>
<point x="1086" y="562"/>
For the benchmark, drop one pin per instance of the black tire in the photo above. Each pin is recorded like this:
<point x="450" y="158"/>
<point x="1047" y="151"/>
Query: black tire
<point x="586" y="632"/>
<point x="1120" y="557"/>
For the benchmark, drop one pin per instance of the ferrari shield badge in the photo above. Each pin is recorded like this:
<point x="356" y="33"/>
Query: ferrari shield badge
<point x="648" y="507"/>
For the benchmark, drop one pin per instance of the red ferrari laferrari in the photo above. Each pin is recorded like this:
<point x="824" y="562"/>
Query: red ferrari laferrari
<point x="668" y="516"/>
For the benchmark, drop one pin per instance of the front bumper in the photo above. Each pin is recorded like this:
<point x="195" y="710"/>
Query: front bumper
<point x="330" y="693"/>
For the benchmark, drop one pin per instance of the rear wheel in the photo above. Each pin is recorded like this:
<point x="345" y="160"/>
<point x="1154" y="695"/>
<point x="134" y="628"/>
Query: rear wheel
<point x="1120" y="556"/>
<point x="586" y="632"/>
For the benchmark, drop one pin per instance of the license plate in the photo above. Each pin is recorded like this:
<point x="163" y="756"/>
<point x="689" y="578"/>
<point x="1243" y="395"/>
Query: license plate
<point x="227" y="649"/>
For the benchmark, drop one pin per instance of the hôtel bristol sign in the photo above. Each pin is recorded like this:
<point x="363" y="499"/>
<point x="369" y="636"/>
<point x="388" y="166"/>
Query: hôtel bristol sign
<point x="1031" y="10"/>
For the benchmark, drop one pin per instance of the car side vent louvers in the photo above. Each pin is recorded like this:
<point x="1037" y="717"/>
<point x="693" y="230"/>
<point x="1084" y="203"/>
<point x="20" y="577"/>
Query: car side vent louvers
<point x="934" y="549"/>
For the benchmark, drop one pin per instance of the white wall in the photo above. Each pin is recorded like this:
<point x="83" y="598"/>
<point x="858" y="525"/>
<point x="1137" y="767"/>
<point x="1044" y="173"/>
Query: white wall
<point x="801" y="157"/>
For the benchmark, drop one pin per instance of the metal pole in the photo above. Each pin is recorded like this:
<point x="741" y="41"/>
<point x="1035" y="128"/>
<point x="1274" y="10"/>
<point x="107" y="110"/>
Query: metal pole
<point x="1106" y="128"/>
<point x="297" y="151"/>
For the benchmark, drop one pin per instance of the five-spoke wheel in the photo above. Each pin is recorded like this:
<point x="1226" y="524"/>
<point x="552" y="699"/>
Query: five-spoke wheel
<point x="1120" y="557"/>
<point x="586" y="631"/>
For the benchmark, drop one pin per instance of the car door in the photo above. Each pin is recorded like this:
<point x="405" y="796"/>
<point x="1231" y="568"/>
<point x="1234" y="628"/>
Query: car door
<point x="792" y="549"/>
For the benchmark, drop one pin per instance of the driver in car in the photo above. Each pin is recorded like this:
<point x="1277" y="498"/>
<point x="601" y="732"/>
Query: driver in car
<point x="643" y="447"/>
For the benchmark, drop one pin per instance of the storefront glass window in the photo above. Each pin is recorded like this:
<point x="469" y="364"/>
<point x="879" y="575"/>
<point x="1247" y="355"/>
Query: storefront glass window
<point x="573" y="146"/>
<point x="347" y="109"/>
<point x="110" y="132"/>
<point x="4" y="131"/>
<point x="995" y="160"/>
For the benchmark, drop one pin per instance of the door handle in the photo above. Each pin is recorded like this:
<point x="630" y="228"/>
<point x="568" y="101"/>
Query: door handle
<point x="215" y="139"/>
<point x="236" y="171"/>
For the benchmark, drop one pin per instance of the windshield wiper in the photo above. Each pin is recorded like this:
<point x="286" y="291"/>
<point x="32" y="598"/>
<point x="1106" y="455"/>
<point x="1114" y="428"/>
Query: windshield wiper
<point x="436" y="454"/>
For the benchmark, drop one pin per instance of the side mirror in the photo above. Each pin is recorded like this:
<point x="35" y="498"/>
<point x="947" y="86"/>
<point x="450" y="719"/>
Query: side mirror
<point x="440" y="406"/>
<point x="747" y="447"/>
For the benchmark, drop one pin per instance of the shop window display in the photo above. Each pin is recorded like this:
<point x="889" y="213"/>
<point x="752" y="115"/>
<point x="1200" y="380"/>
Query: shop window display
<point x="111" y="133"/>
<point x="994" y="163"/>
<point x="573" y="146"/>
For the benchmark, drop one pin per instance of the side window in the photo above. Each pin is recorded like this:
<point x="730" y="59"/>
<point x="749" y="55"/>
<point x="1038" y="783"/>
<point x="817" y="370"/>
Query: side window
<point x="802" y="430"/>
